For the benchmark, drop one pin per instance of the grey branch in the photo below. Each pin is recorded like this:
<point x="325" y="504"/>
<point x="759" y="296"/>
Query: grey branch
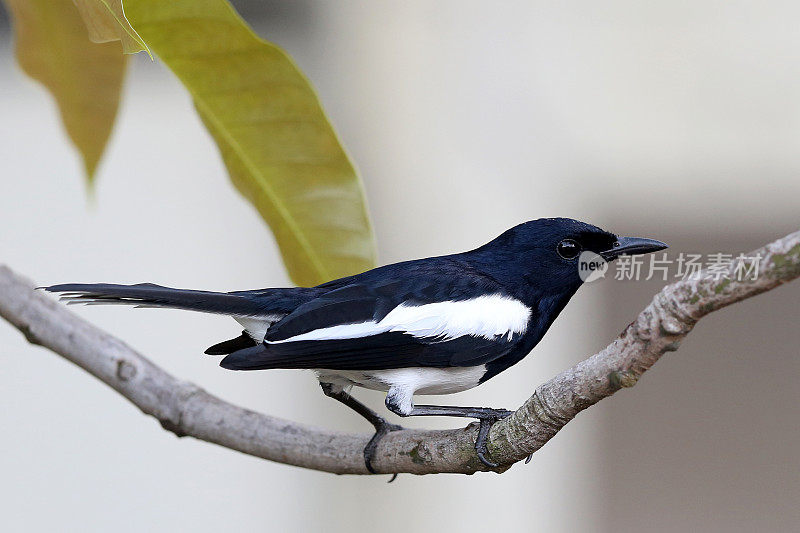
<point x="187" y="410"/>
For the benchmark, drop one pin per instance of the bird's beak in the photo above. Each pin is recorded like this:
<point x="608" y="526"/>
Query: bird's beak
<point x="632" y="246"/>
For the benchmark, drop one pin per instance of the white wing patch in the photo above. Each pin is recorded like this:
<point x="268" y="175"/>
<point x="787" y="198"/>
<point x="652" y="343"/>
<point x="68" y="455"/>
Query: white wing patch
<point x="489" y="317"/>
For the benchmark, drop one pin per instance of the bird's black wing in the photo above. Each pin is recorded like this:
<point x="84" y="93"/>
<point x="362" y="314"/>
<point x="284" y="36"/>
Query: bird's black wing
<point x="378" y="352"/>
<point x="389" y="323"/>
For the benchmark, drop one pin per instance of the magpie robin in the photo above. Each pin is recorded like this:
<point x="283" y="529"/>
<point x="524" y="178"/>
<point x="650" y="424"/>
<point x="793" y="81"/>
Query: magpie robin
<point x="438" y="325"/>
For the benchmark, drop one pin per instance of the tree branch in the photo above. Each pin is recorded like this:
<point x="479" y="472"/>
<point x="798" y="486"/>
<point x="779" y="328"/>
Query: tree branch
<point x="187" y="410"/>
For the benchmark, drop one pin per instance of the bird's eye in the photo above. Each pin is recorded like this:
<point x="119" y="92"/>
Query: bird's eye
<point x="568" y="249"/>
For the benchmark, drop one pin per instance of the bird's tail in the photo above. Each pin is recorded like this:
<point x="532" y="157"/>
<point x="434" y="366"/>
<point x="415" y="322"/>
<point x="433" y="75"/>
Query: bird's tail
<point x="150" y="295"/>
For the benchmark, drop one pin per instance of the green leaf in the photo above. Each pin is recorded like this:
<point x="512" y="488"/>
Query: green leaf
<point x="280" y="150"/>
<point x="106" y="21"/>
<point x="85" y="78"/>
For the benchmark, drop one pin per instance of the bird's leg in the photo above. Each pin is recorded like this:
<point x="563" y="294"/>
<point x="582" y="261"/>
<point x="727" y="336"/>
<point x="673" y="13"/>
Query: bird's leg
<point x="485" y="415"/>
<point x="382" y="427"/>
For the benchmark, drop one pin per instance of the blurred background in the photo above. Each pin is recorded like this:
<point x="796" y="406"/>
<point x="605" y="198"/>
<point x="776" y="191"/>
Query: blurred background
<point x="674" y="120"/>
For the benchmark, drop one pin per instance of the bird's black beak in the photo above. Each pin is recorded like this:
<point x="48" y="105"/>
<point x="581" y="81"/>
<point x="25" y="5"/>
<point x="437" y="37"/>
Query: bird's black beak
<point x="632" y="246"/>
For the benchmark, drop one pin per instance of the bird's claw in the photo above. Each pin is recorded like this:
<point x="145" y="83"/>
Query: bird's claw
<point x="486" y="423"/>
<point x="372" y="445"/>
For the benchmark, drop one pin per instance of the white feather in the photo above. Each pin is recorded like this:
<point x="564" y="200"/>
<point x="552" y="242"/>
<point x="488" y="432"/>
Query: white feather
<point x="419" y="380"/>
<point x="488" y="316"/>
<point x="402" y="383"/>
<point x="257" y="326"/>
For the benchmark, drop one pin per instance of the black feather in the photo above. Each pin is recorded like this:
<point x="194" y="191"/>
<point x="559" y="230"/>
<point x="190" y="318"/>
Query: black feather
<point x="276" y="301"/>
<point x="376" y="352"/>
<point x="239" y="343"/>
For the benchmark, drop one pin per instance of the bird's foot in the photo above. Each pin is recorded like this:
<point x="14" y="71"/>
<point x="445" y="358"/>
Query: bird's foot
<point x="486" y="423"/>
<point x="381" y="430"/>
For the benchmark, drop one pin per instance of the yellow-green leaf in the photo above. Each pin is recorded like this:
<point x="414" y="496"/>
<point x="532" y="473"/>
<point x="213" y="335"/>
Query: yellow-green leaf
<point x="106" y="21"/>
<point x="281" y="151"/>
<point x="85" y="78"/>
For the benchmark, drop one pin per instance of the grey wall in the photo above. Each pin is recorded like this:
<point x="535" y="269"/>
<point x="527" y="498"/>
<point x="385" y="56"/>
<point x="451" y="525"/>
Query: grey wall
<point x="707" y="441"/>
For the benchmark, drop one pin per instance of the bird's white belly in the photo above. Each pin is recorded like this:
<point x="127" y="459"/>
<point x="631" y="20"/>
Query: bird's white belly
<point x="417" y="380"/>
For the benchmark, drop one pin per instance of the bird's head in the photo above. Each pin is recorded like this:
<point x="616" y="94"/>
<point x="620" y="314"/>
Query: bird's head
<point x="558" y="254"/>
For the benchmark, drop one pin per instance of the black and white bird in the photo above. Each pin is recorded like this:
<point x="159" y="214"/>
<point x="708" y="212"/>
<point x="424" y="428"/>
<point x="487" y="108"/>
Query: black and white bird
<point x="437" y="325"/>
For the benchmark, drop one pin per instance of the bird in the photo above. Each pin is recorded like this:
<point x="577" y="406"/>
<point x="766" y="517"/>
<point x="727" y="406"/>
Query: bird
<point x="437" y="325"/>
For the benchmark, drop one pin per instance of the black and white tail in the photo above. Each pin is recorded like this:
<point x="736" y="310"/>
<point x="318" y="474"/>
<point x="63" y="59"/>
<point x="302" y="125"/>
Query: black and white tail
<point x="150" y="295"/>
<point x="253" y="312"/>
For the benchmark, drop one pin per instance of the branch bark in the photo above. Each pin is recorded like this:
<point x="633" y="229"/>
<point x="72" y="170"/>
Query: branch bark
<point x="187" y="410"/>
